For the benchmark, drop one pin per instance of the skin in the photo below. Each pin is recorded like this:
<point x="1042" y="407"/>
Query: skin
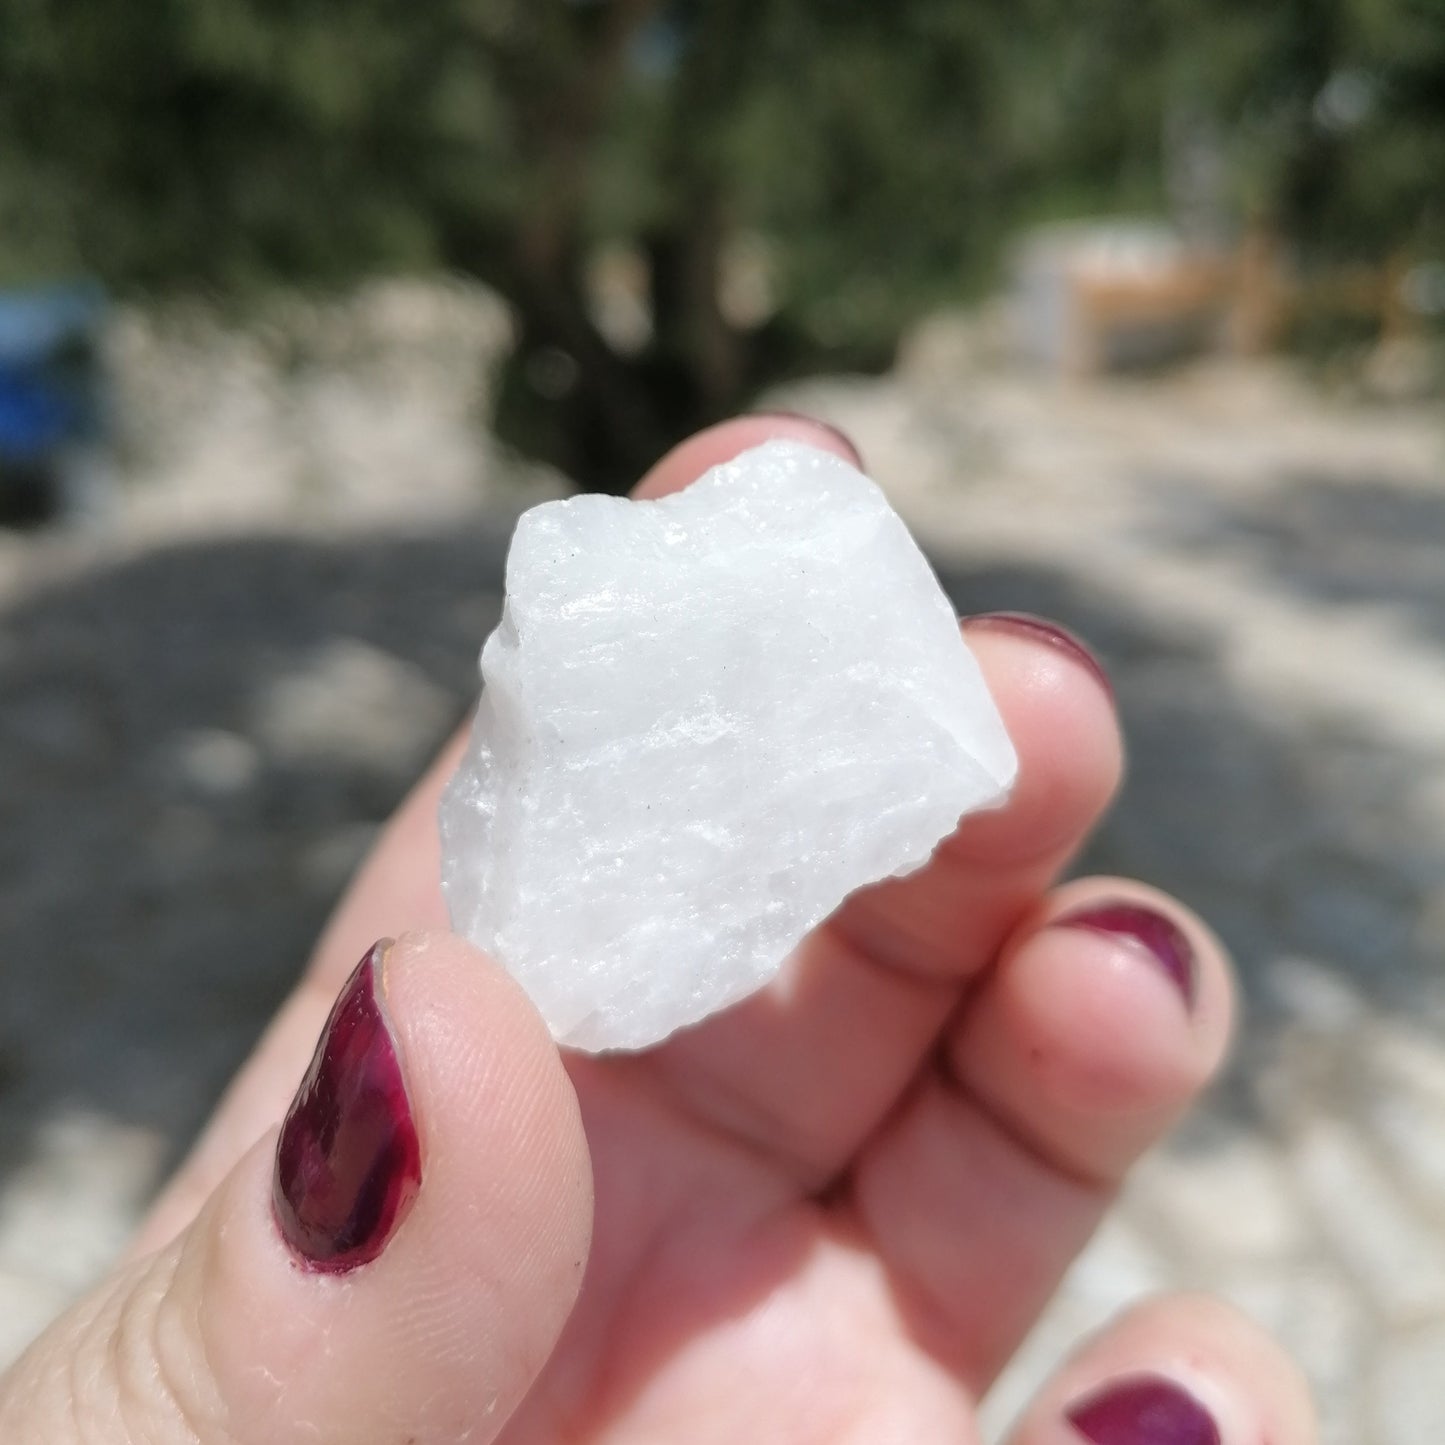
<point x="828" y="1215"/>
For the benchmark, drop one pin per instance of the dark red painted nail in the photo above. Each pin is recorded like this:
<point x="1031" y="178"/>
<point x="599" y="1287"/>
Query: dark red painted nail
<point x="1042" y="630"/>
<point x="1160" y="937"/>
<point x="1143" y="1410"/>
<point x="837" y="433"/>
<point x="348" y="1164"/>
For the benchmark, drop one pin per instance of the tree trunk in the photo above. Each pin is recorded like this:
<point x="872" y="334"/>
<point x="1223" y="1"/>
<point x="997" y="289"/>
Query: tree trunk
<point x="567" y="398"/>
<point x="691" y="334"/>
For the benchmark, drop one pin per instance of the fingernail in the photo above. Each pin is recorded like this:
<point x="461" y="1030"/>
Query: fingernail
<point x="1160" y="937"/>
<point x="1143" y="1410"/>
<point x="1041" y="629"/>
<point x="840" y="436"/>
<point x="348" y="1164"/>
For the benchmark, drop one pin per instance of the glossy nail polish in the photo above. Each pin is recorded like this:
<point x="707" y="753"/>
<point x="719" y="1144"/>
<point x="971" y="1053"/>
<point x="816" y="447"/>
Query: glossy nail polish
<point x="1143" y="1410"/>
<point x="837" y="433"/>
<point x="1025" y="624"/>
<point x="1160" y="937"/>
<point x="348" y="1163"/>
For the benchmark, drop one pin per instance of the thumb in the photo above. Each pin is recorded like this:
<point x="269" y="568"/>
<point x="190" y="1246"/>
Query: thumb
<point x="397" y="1266"/>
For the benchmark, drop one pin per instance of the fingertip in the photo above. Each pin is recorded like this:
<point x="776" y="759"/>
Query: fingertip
<point x="720" y="443"/>
<point x="452" y="995"/>
<point x="474" y="1280"/>
<point x="1172" y="943"/>
<point x="949" y="918"/>
<point x="1086" y="1037"/>
<point x="1042" y="631"/>
<point x="1189" y="1368"/>
<point x="486" y="1074"/>
<point x="1065" y="729"/>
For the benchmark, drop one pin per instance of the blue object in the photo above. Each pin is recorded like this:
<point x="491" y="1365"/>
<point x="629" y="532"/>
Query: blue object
<point x="38" y="322"/>
<point x="50" y="382"/>
<point x="35" y="419"/>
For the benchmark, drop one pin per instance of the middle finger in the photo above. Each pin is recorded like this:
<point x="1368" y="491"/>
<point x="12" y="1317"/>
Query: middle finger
<point x="806" y="1069"/>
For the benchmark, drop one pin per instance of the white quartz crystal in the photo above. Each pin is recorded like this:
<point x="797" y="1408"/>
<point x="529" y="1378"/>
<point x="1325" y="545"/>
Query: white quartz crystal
<point x="705" y="721"/>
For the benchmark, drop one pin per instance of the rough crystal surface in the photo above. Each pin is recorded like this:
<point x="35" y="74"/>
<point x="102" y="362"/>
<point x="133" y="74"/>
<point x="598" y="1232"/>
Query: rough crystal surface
<point x="706" y="720"/>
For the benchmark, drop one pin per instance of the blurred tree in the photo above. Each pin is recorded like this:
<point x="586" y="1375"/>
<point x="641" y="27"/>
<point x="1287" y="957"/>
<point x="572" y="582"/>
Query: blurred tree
<point x="223" y="143"/>
<point x="881" y="152"/>
<point x="1335" y="112"/>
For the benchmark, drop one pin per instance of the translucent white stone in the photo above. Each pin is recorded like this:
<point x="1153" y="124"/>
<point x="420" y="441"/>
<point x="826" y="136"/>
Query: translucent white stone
<point x="705" y="721"/>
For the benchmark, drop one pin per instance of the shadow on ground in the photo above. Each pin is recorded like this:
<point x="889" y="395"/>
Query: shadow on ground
<point x="198" y="744"/>
<point x="1373" y="541"/>
<point x="196" y="748"/>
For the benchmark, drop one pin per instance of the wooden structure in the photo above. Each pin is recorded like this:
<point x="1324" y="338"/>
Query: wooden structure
<point x="1100" y="296"/>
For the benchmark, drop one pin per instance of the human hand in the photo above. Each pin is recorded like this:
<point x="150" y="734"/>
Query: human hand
<point x="828" y="1215"/>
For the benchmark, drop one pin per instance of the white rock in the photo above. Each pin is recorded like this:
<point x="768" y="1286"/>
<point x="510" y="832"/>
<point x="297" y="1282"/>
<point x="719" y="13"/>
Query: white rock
<point x="705" y="721"/>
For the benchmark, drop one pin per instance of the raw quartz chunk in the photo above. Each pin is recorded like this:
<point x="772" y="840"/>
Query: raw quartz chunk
<point x="705" y="721"/>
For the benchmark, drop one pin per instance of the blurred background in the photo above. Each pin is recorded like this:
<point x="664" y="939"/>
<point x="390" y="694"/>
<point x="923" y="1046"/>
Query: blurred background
<point x="1136" y="309"/>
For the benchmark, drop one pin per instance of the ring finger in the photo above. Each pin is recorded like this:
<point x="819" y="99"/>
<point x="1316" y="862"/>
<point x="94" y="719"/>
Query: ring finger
<point x="1184" y="1370"/>
<point x="1108" y="1012"/>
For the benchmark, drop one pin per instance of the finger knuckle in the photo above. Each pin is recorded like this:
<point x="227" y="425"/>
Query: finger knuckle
<point x="141" y="1376"/>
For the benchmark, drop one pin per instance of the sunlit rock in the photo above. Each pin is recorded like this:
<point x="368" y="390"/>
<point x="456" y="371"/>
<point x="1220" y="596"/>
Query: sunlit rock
<point x="705" y="721"/>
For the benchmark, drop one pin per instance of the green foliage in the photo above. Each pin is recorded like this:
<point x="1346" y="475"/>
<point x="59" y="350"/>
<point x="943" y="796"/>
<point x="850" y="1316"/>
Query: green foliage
<point x="885" y="151"/>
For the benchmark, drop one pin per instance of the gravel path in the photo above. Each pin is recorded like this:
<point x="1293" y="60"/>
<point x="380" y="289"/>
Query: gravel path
<point x="212" y="694"/>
